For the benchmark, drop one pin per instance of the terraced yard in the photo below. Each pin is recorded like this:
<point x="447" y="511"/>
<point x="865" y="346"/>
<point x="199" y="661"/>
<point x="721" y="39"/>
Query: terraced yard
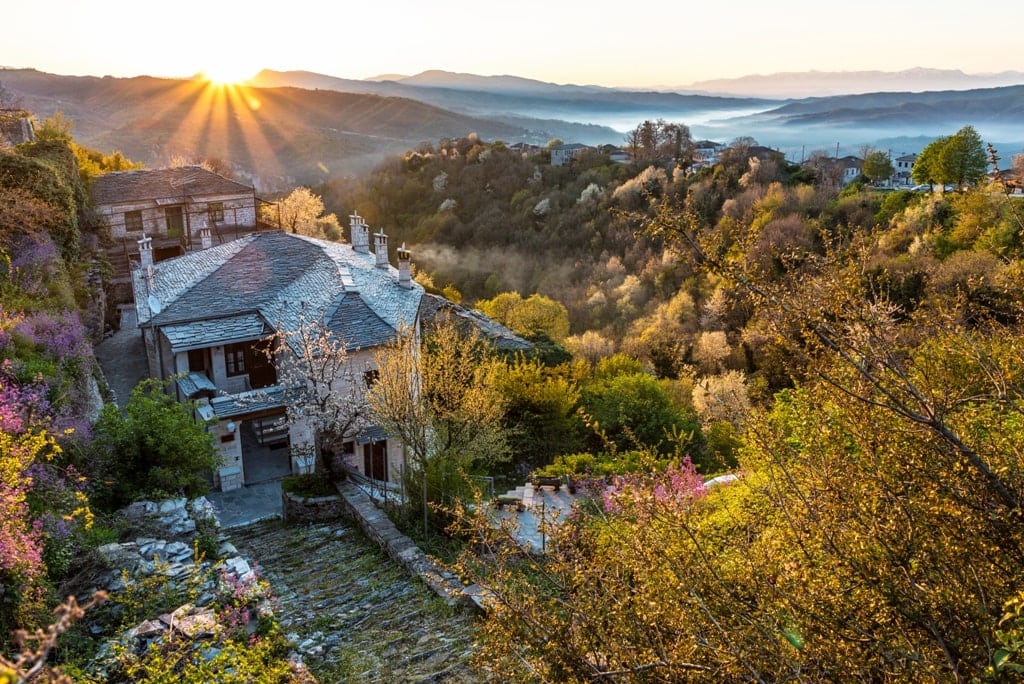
<point x="357" y="616"/>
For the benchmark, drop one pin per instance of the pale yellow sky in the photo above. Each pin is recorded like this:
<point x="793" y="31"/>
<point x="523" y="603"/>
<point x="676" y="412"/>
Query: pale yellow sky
<point x="638" y="44"/>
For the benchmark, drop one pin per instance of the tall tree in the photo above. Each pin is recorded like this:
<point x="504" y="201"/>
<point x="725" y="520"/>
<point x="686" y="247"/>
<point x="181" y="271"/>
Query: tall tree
<point x="927" y="169"/>
<point x="440" y="401"/>
<point x="302" y="212"/>
<point x="963" y="159"/>
<point x="877" y="166"/>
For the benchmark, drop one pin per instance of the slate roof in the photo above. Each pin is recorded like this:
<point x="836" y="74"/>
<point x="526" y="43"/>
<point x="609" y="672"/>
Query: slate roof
<point x="356" y="323"/>
<point x="157" y="184"/>
<point x="216" y="331"/>
<point x="194" y="384"/>
<point x="433" y="307"/>
<point x="281" y="278"/>
<point x="234" y="405"/>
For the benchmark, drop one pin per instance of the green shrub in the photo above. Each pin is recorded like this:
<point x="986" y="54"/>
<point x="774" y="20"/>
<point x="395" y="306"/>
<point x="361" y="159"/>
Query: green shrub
<point x="311" y="485"/>
<point x="153" y="450"/>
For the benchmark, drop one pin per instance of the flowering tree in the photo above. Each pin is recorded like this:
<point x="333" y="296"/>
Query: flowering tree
<point x="324" y="389"/>
<point x="302" y="212"/>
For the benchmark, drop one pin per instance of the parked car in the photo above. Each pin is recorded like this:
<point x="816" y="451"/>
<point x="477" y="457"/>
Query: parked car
<point x="921" y="188"/>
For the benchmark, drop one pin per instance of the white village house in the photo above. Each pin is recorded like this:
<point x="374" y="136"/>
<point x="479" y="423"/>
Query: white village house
<point x="205" y="318"/>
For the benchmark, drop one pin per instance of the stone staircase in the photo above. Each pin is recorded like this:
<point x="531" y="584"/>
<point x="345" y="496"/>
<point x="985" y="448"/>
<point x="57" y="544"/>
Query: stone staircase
<point x="355" y="615"/>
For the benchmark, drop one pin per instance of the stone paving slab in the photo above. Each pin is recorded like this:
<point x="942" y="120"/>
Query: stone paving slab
<point x="122" y="356"/>
<point x="247" y="505"/>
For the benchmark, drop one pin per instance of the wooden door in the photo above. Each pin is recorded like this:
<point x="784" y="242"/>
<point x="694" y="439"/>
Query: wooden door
<point x="375" y="460"/>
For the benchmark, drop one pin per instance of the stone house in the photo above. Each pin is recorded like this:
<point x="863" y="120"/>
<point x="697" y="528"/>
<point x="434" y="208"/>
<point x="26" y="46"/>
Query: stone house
<point x="849" y="168"/>
<point x="566" y="154"/>
<point x="15" y="127"/>
<point x="206" y="316"/>
<point x="172" y="206"/>
<point x="902" y="168"/>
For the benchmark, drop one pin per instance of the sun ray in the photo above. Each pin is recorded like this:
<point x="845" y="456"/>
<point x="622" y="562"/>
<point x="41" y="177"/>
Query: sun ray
<point x="246" y="104"/>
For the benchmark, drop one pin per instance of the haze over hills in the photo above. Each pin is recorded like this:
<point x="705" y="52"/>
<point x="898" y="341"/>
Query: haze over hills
<point x="497" y="97"/>
<point x="904" y="121"/>
<point x="298" y="127"/>
<point x="822" y="83"/>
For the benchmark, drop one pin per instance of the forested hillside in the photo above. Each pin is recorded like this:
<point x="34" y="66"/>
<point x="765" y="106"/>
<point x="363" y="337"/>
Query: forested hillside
<point x="857" y="354"/>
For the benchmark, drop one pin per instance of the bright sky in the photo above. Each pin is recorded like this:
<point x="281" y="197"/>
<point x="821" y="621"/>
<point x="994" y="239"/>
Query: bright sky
<point x="652" y="43"/>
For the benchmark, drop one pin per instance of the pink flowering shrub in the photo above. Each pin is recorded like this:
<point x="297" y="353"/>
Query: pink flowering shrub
<point x="21" y="404"/>
<point x="647" y="495"/>
<point x="246" y="604"/>
<point x="21" y="538"/>
<point x="40" y="507"/>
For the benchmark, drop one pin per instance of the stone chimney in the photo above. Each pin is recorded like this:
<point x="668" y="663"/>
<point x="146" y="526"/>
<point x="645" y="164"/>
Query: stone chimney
<point x="381" y="249"/>
<point x="205" y="237"/>
<point x="404" y="271"/>
<point x="145" y="252"/>
<point x="360" y="233"/>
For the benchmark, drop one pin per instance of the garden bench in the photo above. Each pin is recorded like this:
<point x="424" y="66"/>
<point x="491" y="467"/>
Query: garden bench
<point x="502" y="501"/>
<point x="555" y="482"/>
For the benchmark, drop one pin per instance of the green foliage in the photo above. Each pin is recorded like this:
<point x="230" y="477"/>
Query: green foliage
<point x="154" y="449"/>
<point x="927" y="167"/>
<point x="539" y="411"/>
<point x="452" y="427"/>
<point x="532" y="316"/>
<point x="892" y="204"/>
<point x="963" y="160"/>
<point x="583" y="466"/>
<point x="959" y="159"/>
<point x="47" y="170"/>
<point x="634" y="411"/>
<point x="1010" y="639"/>
<point x="310" y="485"/>
<point x="877" y="166"/>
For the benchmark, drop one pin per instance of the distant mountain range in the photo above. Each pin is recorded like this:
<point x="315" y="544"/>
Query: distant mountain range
<point x="298" y="127"/>
<point x="822" y="83"/>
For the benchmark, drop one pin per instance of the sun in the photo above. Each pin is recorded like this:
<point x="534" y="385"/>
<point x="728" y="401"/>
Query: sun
<point x="228" y="73"/>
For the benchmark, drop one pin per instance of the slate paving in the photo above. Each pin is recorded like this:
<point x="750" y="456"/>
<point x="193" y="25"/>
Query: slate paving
<point x="122" y="356"/>
<point x="542" y="509"/>
<point x="247" y="505"/>
<point x="355" y="615"/>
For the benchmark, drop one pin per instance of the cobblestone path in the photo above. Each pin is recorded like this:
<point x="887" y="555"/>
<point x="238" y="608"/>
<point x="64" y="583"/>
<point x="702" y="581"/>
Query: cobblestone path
<point x="355" y="615"/>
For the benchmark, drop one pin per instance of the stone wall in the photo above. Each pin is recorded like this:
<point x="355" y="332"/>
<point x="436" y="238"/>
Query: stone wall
<point x="300" y="509"/>
<point x="378" y="527"/>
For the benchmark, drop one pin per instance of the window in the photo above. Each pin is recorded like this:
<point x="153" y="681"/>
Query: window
<point x="370" y="377"/>
<point x="216" y="212"/>
<point x="234" y="358"/>
<point x="133" y="221"/>
<point x="175" y="221"/>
